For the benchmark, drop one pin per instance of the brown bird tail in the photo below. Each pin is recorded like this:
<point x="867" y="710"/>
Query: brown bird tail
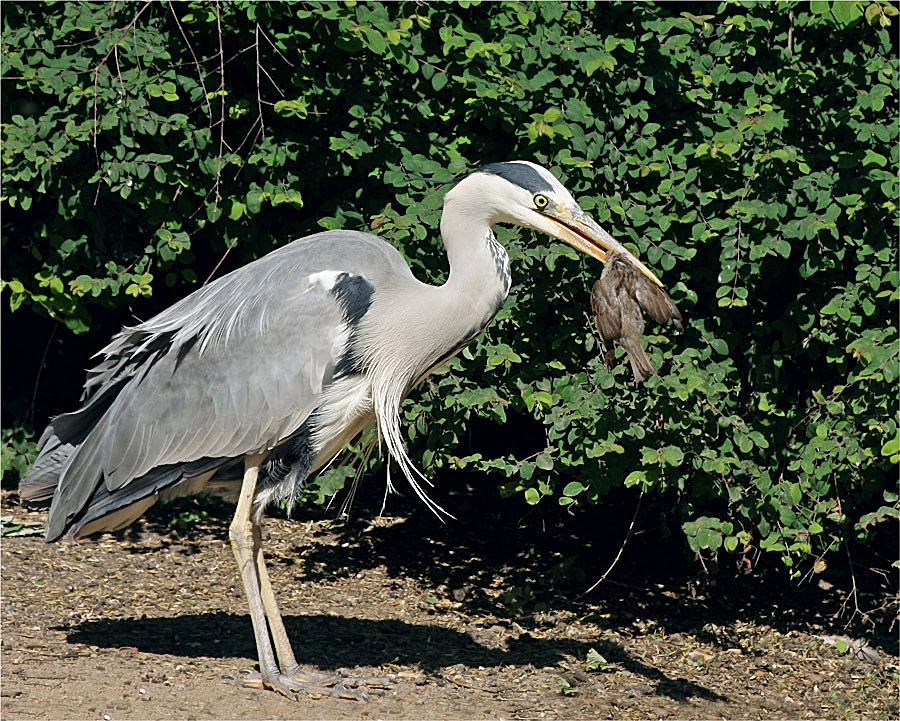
<point x="640" y="363"/>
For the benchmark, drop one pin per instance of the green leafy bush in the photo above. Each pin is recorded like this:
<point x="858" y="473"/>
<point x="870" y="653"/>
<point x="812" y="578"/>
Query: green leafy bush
<point x="17" y="452"/>
<point x="747" y="151"/>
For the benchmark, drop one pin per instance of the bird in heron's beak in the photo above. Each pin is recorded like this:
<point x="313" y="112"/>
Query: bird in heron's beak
<point x="618" y="299"/>
<point x="578" y="229"/>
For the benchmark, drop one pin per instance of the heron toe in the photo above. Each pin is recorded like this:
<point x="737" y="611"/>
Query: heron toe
<point x="304" y="681"/>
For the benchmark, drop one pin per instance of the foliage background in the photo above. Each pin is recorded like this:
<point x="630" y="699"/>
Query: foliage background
<point x="747" y="151"/>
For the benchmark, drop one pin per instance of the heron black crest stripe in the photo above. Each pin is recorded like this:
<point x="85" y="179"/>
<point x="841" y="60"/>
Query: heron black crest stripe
<point x="519" y="174"/>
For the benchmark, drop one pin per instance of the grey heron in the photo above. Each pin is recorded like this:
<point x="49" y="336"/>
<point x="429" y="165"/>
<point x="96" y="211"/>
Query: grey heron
<point x="251" y="383"/>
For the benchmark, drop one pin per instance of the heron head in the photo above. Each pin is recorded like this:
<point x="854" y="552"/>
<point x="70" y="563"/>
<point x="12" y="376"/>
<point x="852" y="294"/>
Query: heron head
<point x="527" y="194"/>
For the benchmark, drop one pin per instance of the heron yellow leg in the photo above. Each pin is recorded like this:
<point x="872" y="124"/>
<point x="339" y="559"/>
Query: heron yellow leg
<point x="268" y="626"/>
<point x="244" y="537"/>
<point x="286" y="659"/>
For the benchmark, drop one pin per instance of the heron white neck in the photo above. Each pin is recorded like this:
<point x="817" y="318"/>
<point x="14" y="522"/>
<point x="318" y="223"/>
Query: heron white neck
<point x="479" y="266"/>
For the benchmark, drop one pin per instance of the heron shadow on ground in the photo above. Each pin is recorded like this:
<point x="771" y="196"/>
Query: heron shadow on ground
<point x="510" y="561"/>
<point x="333" y="642"/>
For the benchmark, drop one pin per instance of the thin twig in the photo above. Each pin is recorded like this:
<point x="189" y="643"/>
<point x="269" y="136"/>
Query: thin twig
<point x="37" y="380"/>
<point x="790" y="35"/>
<point x="119" y="73"/>
<point x="222" y="121"/>
<point x="262" y="123"/>
<point x="221" y="260"/>
<point x="271" y="80"/>
<point x="106" y="57"/>
<point x="852" y="594"/>
<point x="196" y="61"/>
<point x="621" y="548"/>
<point x="275" y="48"/>
<point x="239" y="53"/>
<point x="241" y="166"/>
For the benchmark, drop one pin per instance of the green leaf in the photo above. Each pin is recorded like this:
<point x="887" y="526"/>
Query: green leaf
<point x="873" y="158"/>
<point x="438" y="81"/>
<point x="672" y="455"/>
<point x="891" y="449"/>
<point x="254" y="201"/>
<point x="573" y="488"/>
<point x="375" y="40"/>
<point x="594" y="661"/>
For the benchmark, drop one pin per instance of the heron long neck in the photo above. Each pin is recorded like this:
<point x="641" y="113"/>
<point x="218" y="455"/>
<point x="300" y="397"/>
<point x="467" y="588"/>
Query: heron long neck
<point x="416" y="327"/>
<point x="479" y="266"/>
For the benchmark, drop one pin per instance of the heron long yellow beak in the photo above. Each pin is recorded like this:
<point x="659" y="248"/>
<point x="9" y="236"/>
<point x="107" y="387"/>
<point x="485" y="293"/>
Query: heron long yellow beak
<point x="582" y="232"/>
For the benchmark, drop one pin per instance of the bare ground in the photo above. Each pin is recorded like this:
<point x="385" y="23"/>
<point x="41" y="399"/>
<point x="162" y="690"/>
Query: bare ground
<point x="480" y="618"/>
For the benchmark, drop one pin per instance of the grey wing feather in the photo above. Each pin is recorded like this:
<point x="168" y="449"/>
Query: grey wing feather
<point x="197" y="380"/>
<point x="36" y="489"/>
<point x="59" y="441"/>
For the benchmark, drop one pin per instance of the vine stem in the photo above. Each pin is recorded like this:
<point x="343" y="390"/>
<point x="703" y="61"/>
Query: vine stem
<point x="262" y="123"/>
<point x="113" y="49"/>
<point x="221" y="93"/>
<point x="221" y="260"/>
<point x="628" y="535"/>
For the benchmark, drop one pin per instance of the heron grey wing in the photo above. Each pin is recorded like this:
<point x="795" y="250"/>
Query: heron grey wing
<point x="244" y="365"/>
<point x="211" y="313"/>
<point x="220" y="401"/>
<point x="203" y="405"/>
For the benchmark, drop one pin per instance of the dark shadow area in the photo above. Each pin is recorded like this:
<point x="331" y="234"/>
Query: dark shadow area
<point x="506" y="558"/>
<point x="332" y="642"/>
<point x="546" y="558"/>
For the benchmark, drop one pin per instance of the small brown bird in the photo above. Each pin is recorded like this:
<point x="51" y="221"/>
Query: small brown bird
<point x="617" y="300"/>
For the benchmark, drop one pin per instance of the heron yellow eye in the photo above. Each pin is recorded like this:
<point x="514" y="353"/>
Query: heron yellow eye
<point x="540" y="201"/>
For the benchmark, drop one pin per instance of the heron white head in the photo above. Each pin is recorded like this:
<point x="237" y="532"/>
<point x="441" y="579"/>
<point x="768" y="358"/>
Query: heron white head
<point x="527" y="194"/>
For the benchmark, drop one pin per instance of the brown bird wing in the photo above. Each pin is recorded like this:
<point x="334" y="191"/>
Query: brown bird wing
<point x="607" y="313"/>
<point x="655" y="301"/>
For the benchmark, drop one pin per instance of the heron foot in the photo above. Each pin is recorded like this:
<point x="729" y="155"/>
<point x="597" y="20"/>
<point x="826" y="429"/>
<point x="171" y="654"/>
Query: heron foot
<point x="303" y="681"/>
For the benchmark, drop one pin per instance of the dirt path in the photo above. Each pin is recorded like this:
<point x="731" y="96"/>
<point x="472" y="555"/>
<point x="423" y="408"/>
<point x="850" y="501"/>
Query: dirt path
<point x="149" y="624"/>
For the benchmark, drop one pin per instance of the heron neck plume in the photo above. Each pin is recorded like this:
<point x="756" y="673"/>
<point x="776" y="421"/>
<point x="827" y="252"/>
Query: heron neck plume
<point x="429" y="324"/>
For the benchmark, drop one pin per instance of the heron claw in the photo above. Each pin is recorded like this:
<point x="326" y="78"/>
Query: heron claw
<point x="316" y="685"/>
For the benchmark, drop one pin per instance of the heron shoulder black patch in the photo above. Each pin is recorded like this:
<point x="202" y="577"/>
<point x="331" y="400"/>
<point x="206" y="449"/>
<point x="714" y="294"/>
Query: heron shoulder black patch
<point x="519" y="174"/>
<point x="354" y="294"/>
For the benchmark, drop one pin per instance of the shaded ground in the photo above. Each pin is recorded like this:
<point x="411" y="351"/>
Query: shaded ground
<point x="479" y="618"/>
